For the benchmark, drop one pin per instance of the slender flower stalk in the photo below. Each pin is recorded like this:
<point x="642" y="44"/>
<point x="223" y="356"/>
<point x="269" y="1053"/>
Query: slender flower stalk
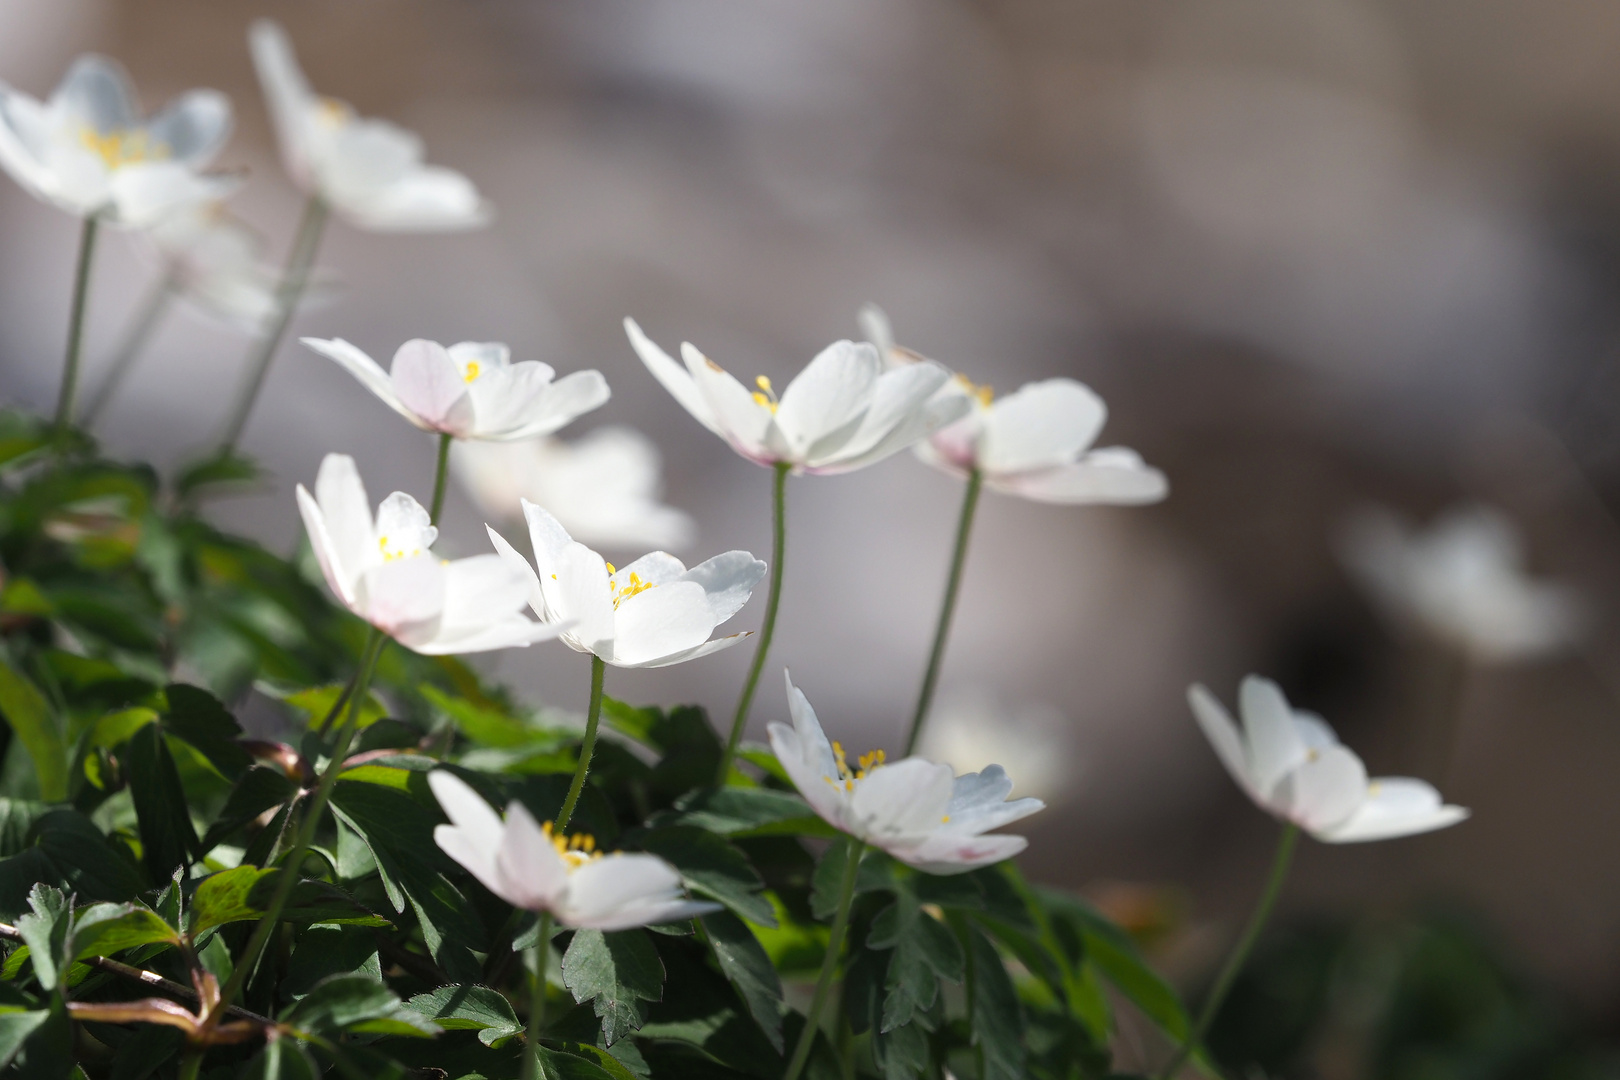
<point x="592" y="718"/>
<point x="136" y="338"/>
<point x="768" y="630"/>
<point x="854" y="850"/>
<point x="947" y="610"/>
<point x="540" y="954"/>
<point x="293" y="282"/>
<point x="440" y="476"/>
<point x="75" y="341"/>
<point x="306" y="831"/>
<point x="1240" y="951"/>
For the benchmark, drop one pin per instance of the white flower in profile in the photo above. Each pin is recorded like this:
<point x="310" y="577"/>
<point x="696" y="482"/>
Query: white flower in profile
<point x="370" y="171"/>
<point x="471" y="390"/>
<point x="842" y="412"/>
<point x="1292" y="765"/>
<point x="1035" y="442"/>
<point x="603" y="487"/>
<point x="652" y="613"/>
<point x="917" y="810"/>
<point x="88" y="151"/>
<point x="1463" y="581"/>
<point x="383" y="571"/>
<point x="1033" y="741"/>
<point x="521" y="862"/>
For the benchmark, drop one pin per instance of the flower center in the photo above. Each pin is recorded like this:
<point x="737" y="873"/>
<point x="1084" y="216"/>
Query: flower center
<point x="576" y="850"/>
<point x="123" y="146"/>
<point x="394" y="552"/>
<point x="331" y="112"/>
<point x="471" y="373"/>
<point x="982" y="393"/>
<point x="868" y="762"/>
<point x="621" y="593"/>
<point x="765" y="395"/>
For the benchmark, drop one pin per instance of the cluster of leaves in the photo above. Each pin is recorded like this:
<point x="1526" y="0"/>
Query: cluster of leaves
<point x="142" y="830"/>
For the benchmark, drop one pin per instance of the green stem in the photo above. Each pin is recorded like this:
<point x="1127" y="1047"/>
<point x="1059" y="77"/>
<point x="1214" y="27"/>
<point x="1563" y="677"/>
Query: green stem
<point x="134" y="344"/>
<point x="947" y="610"/>
<point x="592" y="717"/>
<point x="541" y="954"/>
<point x="306" y="831"/>
<point x="75" y="341"/>
<point x="439" y="477"/>
<point x="767" y="631"/>
<point x="293" y="281"/>
<point x="1240" y="951"/>
<point x="829" y="963"/>
<point x="191" y="1063"/>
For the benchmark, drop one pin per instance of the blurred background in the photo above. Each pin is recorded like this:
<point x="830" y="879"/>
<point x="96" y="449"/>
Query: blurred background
<point x="1313" y="253"/>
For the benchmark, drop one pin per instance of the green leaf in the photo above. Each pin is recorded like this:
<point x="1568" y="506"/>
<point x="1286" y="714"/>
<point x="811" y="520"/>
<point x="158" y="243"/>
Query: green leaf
<point x="282" y="1059"/>
<point x="746" y="966"/>
<point x="15" y="1027"/>
<point x="359" y="1004"/>
<point x="925" y="951"/>
<point x="91" y="865"/>
<point x="256" y="791"/>
<point x="198" y="717"/>
<point x="617" y="972"/>
<point x="324" y="951"/>
<point x="740" y="812"/>
<point x="828" y="880"/>
<point x="566" y="1066"/>
<point x="47" y="929"/>
<point x="224" y="898"/>
<point x="316" y="703"/>
<point x="483" y="725"/>
<point x="902" y="1054"/>
<point x="997" y="1018"/>
<point x="1111" y="951"/>
<point x="243" y="893"/>
<point x="146" y="1051"/>
<point x="104" y="929"/>
<point x="690" y="748"/>
<point x="17" y="819"/>
<point x="470" y="1008"/>
<point x="167" y="837"/>
<point x="595" y="1055"/>
<point x="229" y="469"/>
<point x="710" y="867"/>
<point x="35" y="726"/>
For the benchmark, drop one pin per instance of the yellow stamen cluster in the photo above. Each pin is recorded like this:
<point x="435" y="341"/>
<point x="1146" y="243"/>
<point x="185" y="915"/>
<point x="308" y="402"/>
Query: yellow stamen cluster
<point x="332" y="113"/>
<point x="394" y="556"/>
<point x="472" y="371"/>
<point x="765" y="395"/>
<point x="865" y="764"/>
<point x="622" y="593"/>
<point x="576" y="850"/>
<point x="125" y="146"/>
<point x="982" y="392"/>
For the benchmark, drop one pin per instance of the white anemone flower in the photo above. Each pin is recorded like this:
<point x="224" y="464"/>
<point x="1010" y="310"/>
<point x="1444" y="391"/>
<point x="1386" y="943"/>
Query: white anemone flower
<point x="1294" y="768"/>
<point x="88" y="151"/>
<point x="383" y="571"/>
<point x="471" y="390"/>
<point x="1035" y="442"/>
<point x="604" y="487"/>
<point x="652" y="613"/>
<point x="919" y="811"/>
<point x="842" y="412"/>
<point x="1463" y="581"/>
<point x="370" y="171"/>
<point x="521" y="862"/>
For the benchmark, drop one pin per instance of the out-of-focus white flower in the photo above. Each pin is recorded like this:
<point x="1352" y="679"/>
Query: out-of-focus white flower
<point x="521" y="862"/>
<point x="370" y="171"/>
<point x="88" y="151"/>
<point x="917" y="810"/>
<point x="1463" y="581"/>
<point x="653" y="613"/>
<point x="471" y="390"/>
<point x="1034" y="742"/>
<point x="603" y="487"/>
<point x="842" y="412"/>
<point x="1035" y="442"/>
<point x="1292" y="765"/>
<point x="383" y="572"/>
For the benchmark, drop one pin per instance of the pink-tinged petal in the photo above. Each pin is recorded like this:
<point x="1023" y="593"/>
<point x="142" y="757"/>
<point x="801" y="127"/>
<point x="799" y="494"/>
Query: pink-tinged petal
<point x="1324" y="791"/>
<point x="532" y="874"/>
<point x="947" y="853"/>
<point x="676" y="379"/>
<point x="404" y="598"/>
<point x="470" y="816"/>
<point x="513" y="632"/>
<point x="368" y="371"/>
<point x="659" y="621"/>
<point x="325" y="549"/>
<point x="341" y="495"/>
<point x="1042" y="424"/>
<point x="428" y="383"/>
<point x="564" y="401"/>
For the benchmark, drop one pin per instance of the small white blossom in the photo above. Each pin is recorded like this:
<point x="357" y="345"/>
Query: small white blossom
<point x="917" y="810"/>
<point x="215" y="261"/>
<point x="1294" y="768"/>
<point x="521" y="862"/>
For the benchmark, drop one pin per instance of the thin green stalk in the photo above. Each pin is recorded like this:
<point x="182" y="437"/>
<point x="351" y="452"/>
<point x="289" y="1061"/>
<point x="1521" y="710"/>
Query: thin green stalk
<point x="947" y="610"/>
<point x="293" y="281"/>
<point x="306" y="831"/>
<point x="75" y="341"/>
<point x="829" y="963"/>
<point x="439" y="477"/>
<point x="191" y="1063"/>
<point x="541" y="954"/>
<point x="140" y="332"/>
<point x="1240" y="951"/>
<point x="592" y="717"/>
<point x="767" y="631"/>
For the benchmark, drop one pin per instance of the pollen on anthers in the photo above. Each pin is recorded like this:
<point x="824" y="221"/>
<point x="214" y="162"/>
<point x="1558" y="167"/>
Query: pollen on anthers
<point x="865" y="764"/>
<point x="621" y="593"/>
<point x="395" y="554"/>
<point x="471" y="374"/>
<point x="128" y="146"/>
<point x="765" y="395"/>
<point x="576" y="850"/>
<point x="979" y="391"/>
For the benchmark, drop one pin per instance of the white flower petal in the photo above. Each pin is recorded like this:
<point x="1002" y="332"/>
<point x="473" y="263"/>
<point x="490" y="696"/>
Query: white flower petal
<point x="326" y="554"/>
<point x="655" y="567"/>
<point x="906" y="799"/>
<point x="946" y="853"/>
<point x="579" y="592"/>
<point x="287" y="94"/>
<point x="1396" y="806"/>
<point x="425" y="198"/>
<point x="194" y="128"/>
<point x="1324" y="791"/>
<point x="1217" y="725"/>
<point x="1042" y="424"/>
<point x="1115" y="475"/>
<point x="371" y="375"/>
<point x="1273" y="744"/>
<point x="477" y="823"/>
<point x="531" y="872"/>
<point x="404" y="598"/>
<point x="341" y="495"/>
<point x="519" y="565"/>
<point x="97" y="92"/>
<point x="676" y="379"/>
<point x="403" y="525"/>
<point x="618" y="891"/>
<point x="659" y="621"/>
<point x="829" y="396"/>
<point x="728" y="580"/>
<point x="565" y="400"/>
<point x="741" y="420"/>
<point x="681" y="656"/>
<point x="428" y="383"/>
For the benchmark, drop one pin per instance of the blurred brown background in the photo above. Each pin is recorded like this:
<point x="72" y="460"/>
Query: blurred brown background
<point x="1312" y="252"/>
